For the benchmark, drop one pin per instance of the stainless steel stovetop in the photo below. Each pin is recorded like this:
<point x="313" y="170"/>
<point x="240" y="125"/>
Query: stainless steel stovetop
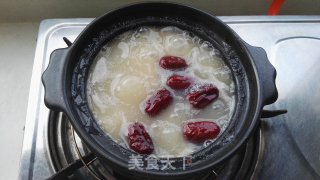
<point x="290" y="144"/>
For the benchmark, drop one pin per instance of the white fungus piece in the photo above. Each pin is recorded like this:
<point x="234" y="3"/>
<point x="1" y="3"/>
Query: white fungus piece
<point x="168" y="139"/>
<point x="129" y="89"/>
<point x="112" y="123"/>
<point x="176" y="41"/>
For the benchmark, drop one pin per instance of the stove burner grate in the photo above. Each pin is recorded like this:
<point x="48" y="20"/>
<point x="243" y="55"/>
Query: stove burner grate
<point x="73" y="160"/>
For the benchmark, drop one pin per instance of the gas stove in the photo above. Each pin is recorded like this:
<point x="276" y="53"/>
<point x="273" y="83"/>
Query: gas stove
<point x="284" y="147"/>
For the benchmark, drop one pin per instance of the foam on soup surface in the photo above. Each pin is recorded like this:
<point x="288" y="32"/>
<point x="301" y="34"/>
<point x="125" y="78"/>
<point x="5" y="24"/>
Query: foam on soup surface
<point x="126" y="73"/>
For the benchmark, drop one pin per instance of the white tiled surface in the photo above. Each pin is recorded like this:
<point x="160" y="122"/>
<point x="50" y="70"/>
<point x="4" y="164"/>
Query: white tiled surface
<point x="17" y="47"/>
<point x="36" y="10"/>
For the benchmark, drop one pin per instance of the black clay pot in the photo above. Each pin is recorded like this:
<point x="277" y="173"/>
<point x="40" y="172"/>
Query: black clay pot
<point x="254" y="76"/>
